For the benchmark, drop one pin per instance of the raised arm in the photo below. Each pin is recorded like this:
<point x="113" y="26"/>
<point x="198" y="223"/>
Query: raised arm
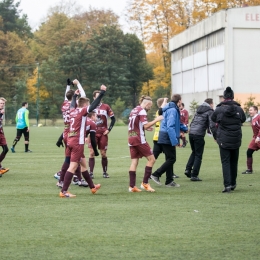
<point x="96" y="102"/>
<point x="81" y="90"/>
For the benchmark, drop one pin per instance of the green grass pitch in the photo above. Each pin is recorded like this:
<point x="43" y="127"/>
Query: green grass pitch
<point x="195" y="221"/>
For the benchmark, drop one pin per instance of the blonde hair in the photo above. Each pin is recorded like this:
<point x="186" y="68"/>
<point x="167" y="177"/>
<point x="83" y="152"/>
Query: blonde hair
<point x="143" y="97"/>
<point x="82" y="101"/>
<point x="2" y="98"/>
<point x="160" y="101"/>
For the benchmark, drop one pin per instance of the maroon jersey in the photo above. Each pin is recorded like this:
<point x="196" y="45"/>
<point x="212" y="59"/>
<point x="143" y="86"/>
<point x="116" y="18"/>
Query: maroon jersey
<point x="65" y="109"/>
<point x="103" y="111"/>
<point x="90" y="126"/>
<point x="1" y="124"/>
<point x="77" y="130"/>
<point x="137" y="120"/>
<point x="256" y="126"/>
<point x="184" y="116"/>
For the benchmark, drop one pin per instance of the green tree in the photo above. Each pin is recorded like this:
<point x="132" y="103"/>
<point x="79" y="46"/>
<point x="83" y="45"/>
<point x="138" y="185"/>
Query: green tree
<point x="193" y="106"/>
<point x="118" y="107"/>
<point x="249" y="103"/>
<point x="11" y="20"/>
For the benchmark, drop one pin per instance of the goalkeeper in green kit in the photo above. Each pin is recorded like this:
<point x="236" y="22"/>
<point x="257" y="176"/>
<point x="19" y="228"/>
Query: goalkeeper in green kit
<point x="23" y="127"/>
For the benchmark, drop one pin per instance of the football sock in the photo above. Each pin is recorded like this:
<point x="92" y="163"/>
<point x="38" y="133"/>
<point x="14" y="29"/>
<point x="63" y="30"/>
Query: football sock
<point x="91" y="163"/>
<point x="64" y="168"/>
<point x="15" y="142"/>
<point x="78" y="173"/>
<point x="249" y="163"/>
<point x="88" y="179"/>
<point x="2" y="156"/>
<point x="67" y="180"/>
<point x="26" y="147"/>
<point x="132" y="177"/>
<point x="104" y="164"/>
<point x="147" y="174"/>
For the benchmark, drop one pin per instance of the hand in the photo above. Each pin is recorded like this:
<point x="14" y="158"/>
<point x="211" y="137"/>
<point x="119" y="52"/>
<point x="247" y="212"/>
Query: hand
<point x="106" y="132"/>
<point x="59" y="143"/>
<point x="159" y="118"/>
<point x="75" y="82"/>
<point x="69" y="82"/>
<point x="76" y="92"/>
<point x="28" y="129"/>
<point x="103" y="87"/>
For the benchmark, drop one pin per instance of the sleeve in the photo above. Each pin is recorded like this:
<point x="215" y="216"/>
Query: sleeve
<point x="212" y="125"/>
<point x="67" y="89"/>
<point x="95" y="103"/>
<point x="160" y="111"/>
<point x="186" y="117"/>
<point x="27" y="118"/>
<point x="214" y="116"/>
<point x="73" y="101"/>
<point x="81" y="90"/>
<point x="93" y="142"/>
<point x="170" y="125"/>
<point x="113" y="120"/>
<point x="16" y="117"/>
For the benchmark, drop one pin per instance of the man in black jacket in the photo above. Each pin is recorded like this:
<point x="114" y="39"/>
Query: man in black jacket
<point x="229" y="117"/>
<point x="200" y="123"/>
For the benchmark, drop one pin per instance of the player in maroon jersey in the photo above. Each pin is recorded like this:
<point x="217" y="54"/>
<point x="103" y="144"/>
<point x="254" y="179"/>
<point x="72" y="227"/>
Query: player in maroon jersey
<point x="254" y="145"/>
<point x="184" y="120"/>
<point x="76" y="141"/>
<point x="139" y="148"/>
<point x="65" y="108"/>
<point x="103" y="113"/>
<point x="2" y="137"/>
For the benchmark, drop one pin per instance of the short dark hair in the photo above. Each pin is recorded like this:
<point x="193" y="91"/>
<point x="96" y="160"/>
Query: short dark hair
<point x="255" y="108"/>
<point x="209" y="101"/>
<point x="90" y="114"/>
<point x="70" y="94"/>
<point x="24" y="103"/>
<point x="176" y="98"/>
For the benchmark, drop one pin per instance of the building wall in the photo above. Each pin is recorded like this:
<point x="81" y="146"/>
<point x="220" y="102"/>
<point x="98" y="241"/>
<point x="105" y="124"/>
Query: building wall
<point x="223" y="50"/>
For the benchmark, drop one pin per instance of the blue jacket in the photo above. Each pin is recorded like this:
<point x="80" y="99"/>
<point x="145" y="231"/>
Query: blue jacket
<point x="171" y="125"/>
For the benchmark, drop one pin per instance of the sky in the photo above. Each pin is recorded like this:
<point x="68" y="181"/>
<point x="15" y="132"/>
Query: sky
<point x="37" y="10"/>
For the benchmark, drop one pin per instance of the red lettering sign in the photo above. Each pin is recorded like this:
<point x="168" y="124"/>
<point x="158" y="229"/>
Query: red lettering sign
<point x="253" y="17"/>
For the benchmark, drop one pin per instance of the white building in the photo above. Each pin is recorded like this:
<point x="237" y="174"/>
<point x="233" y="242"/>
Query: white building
<point x="222" y="50"/>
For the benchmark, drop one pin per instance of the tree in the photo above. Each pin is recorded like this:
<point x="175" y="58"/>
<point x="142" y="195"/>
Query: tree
<point x="118" y="107"/>
<point x="11" y="20"/>
<point x="193" y="106"/>
<point x="249" y="103"/>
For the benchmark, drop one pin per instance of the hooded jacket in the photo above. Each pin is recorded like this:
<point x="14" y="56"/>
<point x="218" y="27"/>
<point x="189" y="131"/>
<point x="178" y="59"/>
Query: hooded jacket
<point x="170" y="125"/>
<point x="202" y="121"/>
<point x="229" y="116"/>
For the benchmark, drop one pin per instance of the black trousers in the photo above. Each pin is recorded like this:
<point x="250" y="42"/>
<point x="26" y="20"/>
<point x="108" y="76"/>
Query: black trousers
<point x="197" y="144"/>
<point x="229" y="160"/>
<point x="157" y="149"/>
<point x="167" y="166"/>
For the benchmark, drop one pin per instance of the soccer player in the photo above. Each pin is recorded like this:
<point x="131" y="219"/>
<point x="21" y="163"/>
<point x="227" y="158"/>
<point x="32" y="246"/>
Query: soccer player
<point x="23" y="127"/>
<point x="254" y="145"/>
<point x="65" y="108"/>
<point x="137" y="143"/>
<point x="2" y="137"/>
<point x="91" y="129"/>
<point x="103" y="112"/>
<point x="185" y="121"/>
<point x="76" y="141"/>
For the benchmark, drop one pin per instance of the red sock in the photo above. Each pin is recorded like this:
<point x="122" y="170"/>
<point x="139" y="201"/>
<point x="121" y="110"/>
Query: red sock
<point x="91" y="163"/>
<point x="249" y="163"/>
<point x="147" y="174"/>
<point x="104" y="164"/>
<point x="88" y="179"/>
<point x="132" y="177"/>
<point x="64" y="168"/>
<point x="67" y="180"/>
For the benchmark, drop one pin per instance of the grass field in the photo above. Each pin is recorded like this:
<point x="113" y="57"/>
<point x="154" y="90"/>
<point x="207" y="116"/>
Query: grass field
<point x="195" y="221"/>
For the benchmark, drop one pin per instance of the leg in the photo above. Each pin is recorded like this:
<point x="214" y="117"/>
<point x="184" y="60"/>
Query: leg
<point x="170" y="155"/>
<point x="26" y="139"/>
<point x="199" y="144"/>
<point x="2" y="156"/>
<point x="190" y="162"/>
<point x="132" y="172"/>
<point x="234" y="155"/>
<point x="249" y="160"/>
<point x="225" y="160"/>
<point x="16" y="140"/>
<point x="103" y="150"/>
<point x="91" y="162"/>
